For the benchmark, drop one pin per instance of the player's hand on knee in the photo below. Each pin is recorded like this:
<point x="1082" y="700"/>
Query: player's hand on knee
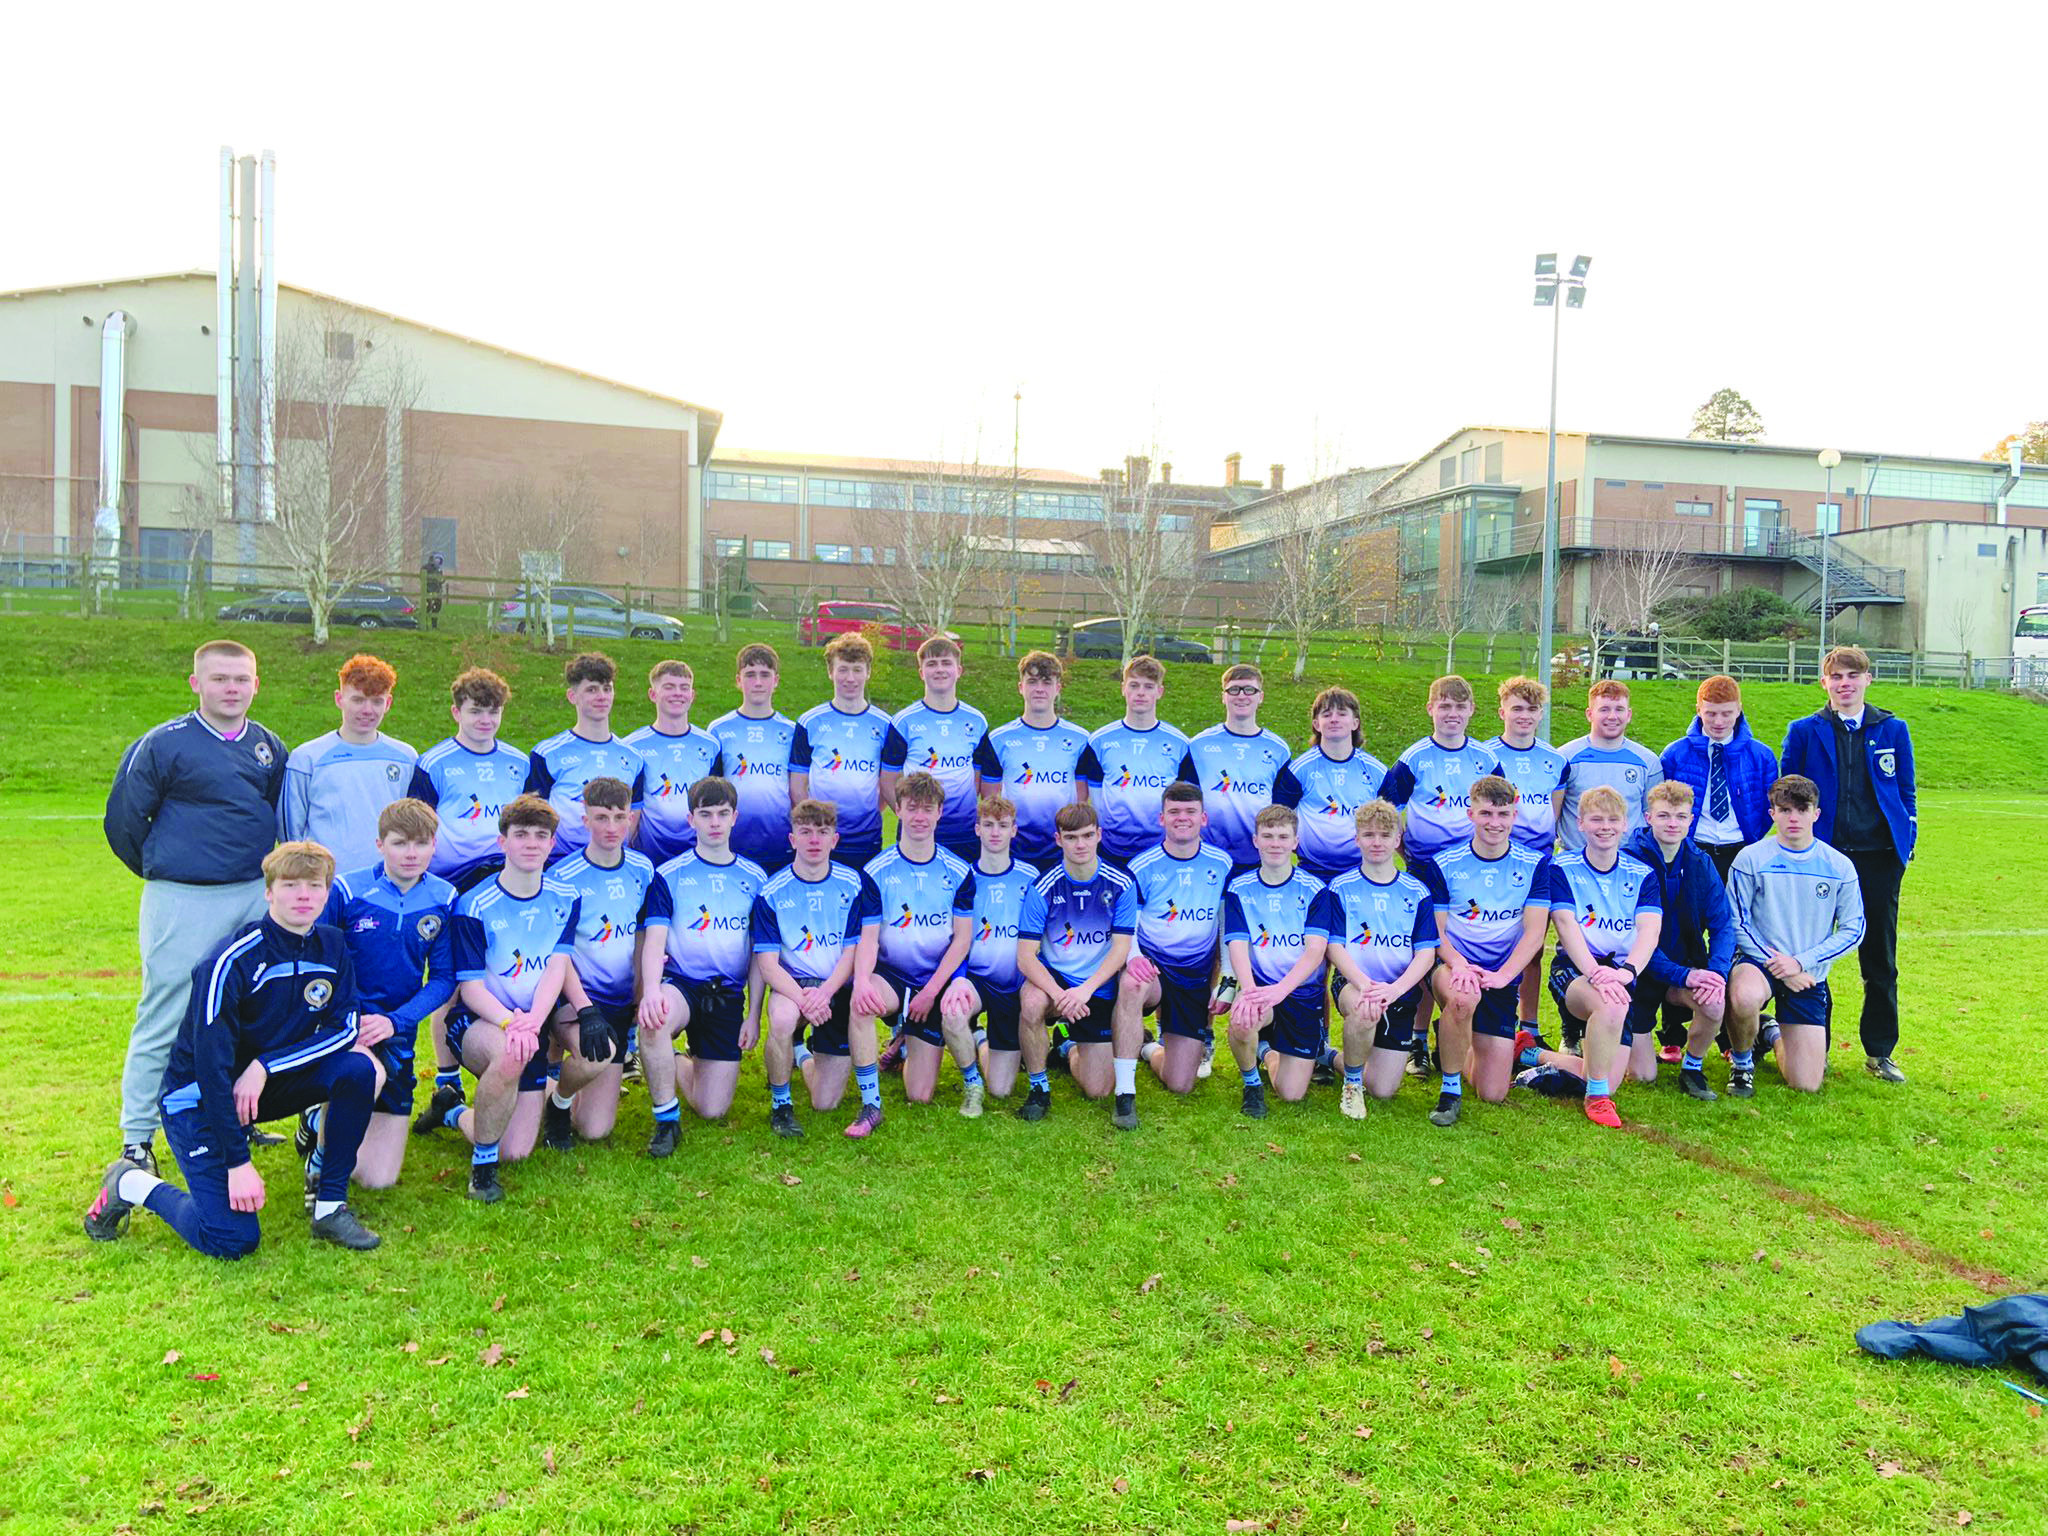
<point x="373" y="1028"/>
<point x="653" y="1011"/>
<point x="867" y="998"/>
<point x="245" y="1188"/>
<point x="593" y="1035"/>
<point x="1139" y="972"/>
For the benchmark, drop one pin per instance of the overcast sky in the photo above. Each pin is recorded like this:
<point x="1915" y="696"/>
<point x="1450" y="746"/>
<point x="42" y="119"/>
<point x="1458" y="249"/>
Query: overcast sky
<point x="1192" y="229"/>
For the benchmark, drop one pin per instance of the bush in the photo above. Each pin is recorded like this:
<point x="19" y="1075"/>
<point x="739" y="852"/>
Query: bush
<point x="1747" y="613"/>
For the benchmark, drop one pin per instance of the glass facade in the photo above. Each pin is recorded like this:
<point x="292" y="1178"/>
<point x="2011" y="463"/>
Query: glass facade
<point x="731" y="485"/>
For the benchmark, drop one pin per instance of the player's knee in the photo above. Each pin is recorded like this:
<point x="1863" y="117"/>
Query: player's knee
<point x="356" y="1077"/>
<point x="233" y="1236"/>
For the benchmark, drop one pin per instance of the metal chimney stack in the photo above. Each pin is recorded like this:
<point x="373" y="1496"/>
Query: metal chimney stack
<point x="245" y="346"/>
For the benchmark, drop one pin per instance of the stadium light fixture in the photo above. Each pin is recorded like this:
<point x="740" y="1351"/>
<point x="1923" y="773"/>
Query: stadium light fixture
<point x="1547" y="284"/>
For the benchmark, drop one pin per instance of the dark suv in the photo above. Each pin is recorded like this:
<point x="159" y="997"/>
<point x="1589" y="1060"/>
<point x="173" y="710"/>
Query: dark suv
<point x="368" y="606"/>
<point x="1105" y="638"/>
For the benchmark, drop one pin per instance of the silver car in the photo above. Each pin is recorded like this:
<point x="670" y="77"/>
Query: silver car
<point x="597" y="614"/>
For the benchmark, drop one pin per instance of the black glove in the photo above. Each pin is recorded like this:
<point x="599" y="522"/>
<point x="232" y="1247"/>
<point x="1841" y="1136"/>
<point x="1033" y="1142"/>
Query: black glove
<point x="593" y="1035"/>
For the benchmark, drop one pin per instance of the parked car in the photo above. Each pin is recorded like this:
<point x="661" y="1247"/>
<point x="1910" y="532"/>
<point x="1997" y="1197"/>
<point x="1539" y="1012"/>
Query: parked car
<point x="850" y="618"/>
<point x="1105" y="637"/>
<point x="597" y="614"/>
<point x="369" y="605"/>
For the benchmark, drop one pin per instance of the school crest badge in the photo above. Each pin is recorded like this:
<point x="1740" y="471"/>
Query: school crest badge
<point x="318" y="992"/>
<point x="264" y="755"/>
<point x="429" y="926"/>
<point x="1887" y="760"/>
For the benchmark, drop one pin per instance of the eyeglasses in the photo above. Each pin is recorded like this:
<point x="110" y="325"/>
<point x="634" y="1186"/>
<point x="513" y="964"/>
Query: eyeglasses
<point x="1242" y="691"/>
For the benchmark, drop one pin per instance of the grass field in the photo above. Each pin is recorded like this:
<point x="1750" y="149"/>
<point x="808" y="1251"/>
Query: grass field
<point x="1520" y="1324"/>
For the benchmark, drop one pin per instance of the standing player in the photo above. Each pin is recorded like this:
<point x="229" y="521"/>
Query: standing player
<point x="1492" y="905"/>
<point x="836" y="753"/>
<point x="1328" y="783"/>
<point x="247" y="1051"/>
<point x="599" y="992"/>
<point x="335" y="785"/>
<point x="1073" y="936"/>
<point x="1236" y="765"/>
<point x="991" y="898"/>
<point x="1382" y="946"/>
<point x="697" y="936"/>
<point x="560" y="766"/>
<point x="1136" y="758"/>
<point x="1536" y="769"/>
<point x="677" y="755"/>
<point x="1605" y="755"/>
<point x="1861" y="759"/>
<point x="468" y="778"/>
<point x="807" y="923"/>
<point x="939" y="735"/>
<point x="1798" y="909"/>
<point x="1276" y="931"/>
<point x="192" y="812"/>
<point x="909" y="950"/>
<point x="1728" y="771"/>
<point x="1177" y="943"/>
<point x="1696" y="941"/>
<point x="1039" y="762"/>
<point x="754" y="742"/>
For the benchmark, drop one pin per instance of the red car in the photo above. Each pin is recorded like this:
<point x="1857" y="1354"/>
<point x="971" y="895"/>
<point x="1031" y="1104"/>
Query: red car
<point x="850" y="618"/>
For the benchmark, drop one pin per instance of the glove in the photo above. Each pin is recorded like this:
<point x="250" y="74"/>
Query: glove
<point x="593" y="1035"/>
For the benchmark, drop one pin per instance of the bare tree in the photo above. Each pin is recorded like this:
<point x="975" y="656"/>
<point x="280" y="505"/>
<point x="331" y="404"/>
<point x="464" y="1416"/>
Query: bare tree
<point x="541" y="530"/>
<point x="1144" y="559"/>
<point x="1325" y="569"/>
<point x="1634" y="582"/>
<point x="941" y="518"/>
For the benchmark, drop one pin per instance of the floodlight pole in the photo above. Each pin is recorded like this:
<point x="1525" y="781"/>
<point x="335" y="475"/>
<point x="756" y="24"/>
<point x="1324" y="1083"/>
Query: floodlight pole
<point x="1016" y="436"/>
<point x="1545" y="637"/>
<point x="1829" y="458"/>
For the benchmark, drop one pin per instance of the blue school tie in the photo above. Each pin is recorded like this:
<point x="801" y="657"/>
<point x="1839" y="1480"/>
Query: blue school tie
<point x="1717" y="783"/>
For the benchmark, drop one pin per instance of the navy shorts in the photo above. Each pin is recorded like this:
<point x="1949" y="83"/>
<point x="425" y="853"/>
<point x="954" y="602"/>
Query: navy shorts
<point x="622" y="1017"/>
<point x="1300" y="1027"/>
<point x="829" y="1038"/>
<point x="998" y="1010"/>
<point x="1499" y="1013"/>
<point x="1092" y="1028"/>
<point x="1396" y="1029"/>
<point x="1642" y="1009"/>
<point x="926" y="1029"/>
<point x="532" y="1077"/>
<point x="1184" y="1006"/>
<point x="1815" y="1006"/>
<point x="395" y="1056"/>
<point x="717" y="1009"/>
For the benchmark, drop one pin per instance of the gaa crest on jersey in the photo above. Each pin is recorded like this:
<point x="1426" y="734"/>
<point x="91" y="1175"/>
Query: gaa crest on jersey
<point x="1631" y="774"/>
<point x="1822" y="890"/>
<point x="429" y="926"/>
<point x="266" y="757"/>
<point x="1887" y="760"/>
<point x="391" y="772"/>
<point x="318" y="992"/>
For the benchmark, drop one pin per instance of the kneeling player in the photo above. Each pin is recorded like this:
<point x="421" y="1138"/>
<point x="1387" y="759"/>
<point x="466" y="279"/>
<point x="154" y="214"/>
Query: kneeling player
<point x="807" y="924"/>
<point x="1696" y="944"/>
<point x="249" y="1052"/>
<point x="595" y="1019"/>
<point x="1276" y="929"/>
<point x="991" y="898"/>
<point x="1174" y="952"/>
<point x="1382" y="944"/>
<point x="1798" y="909"/>
<point x="696" y="935"/>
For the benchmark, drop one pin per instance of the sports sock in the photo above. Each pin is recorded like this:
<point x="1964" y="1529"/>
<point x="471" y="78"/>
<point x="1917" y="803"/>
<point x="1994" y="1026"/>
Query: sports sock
<point x="1529" y="1025"/>
<point x="554" y="1072"/>
<point x="453" y="1119"/>
<point x="322" y="1209"/>
<point x="1693" y="1063"/>
<point x="1149" y="1049"/>
<point x="668" y="1113"/>
<point x="778" y="1095"/>
<point x="980" y="1038"/>
<point x="1332" y="1057"/>
<point x="1354" y="1077"/>
<point x="1454" y="1083"/>
<point x="1040" y="1083"/>
<point x="970" y="1074"/>
<point x="483" y="1154"/>
<point x="316" y="1161"/>
<point x="1250" y="1076"/>
<point x="869" y="1078"/>
<point x="136" y="1184"/>
<point x="632" y="1039"/>
<point x="555" y="1098"/>
<point x="1126" y="1069"/>
<point x="800" y="1055"/>
<point x="1061" y="1046"/>
<point x="448" y="1077"/>
<point x="1744" y="1061"/>
<point x="315" y="1115"/>
<point x="1596" y="1088"/>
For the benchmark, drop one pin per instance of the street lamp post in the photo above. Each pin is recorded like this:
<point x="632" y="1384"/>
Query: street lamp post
<point x="1016" y="436"/>
<point x="1829" y="458"/>
<point x="1547" y="284"/>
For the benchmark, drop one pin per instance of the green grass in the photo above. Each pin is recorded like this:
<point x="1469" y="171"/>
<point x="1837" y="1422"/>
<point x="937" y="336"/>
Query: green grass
<point x="1543" y="1326"/>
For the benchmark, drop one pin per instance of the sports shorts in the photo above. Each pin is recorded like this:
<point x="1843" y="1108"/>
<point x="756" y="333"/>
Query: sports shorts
<point x="1300" y="1027"/>
<point x="621" y="1016"/>
<point x="1184" y="1006"/>
<point x="998" y="1010"/>
<point x="1815" y="1006"/>
<point x="1642" y="1009"/>
<point x="532" y="1077"/>
<point x="1396" y="1028"/>
<point x="717" y="1008"/>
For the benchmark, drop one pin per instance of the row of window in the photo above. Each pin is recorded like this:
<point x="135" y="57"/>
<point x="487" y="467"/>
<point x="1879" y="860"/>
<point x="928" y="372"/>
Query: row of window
<point x="1470" y="467"/>
<point x="781" y="549"/>
<point x="896" y="495"/>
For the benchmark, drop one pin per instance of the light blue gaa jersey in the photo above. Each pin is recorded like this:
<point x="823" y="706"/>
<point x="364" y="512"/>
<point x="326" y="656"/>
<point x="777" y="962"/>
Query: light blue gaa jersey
<point x="334" y="790"/>
<point x="1236" y="774"/>
<point x="1605" y="902"/>
<point x="1809" y="904"/>
<point x="809" y="924"/>
<point x="1132" y="769"/>
<point x="1482" y="900"/>
<point x="1036" y="768"/>
<point x="559" y="767"/>
<point x="674" y="763"/>
<point x="506" y="941"/>
<point x="1276" y="921"/>
<point x="1326" y="793"/>
<point x="1433" y="783"/>
<point x="1536" y="771"/>
<point x="468" y="790"/>
<point x="1075" y="921"/>
<point x="756" y="760"/>
<point x="1180" y="909"/>
<point x="993" y="904"/>
<point x="843" y="755"/>
<point x="1381" y="926"/>
<point x="708" y="910"/>
<point x="942" y="743"/>
<point x="608" y="922"/>
<point x="916" y="909"/>
<point x="1627" y="766"/>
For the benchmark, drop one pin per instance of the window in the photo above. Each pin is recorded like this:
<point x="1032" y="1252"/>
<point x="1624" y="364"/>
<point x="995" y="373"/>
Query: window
<point x="859" y="493"/>
<point x="1988" y="550"/>
<point x="1493" y="463"/>
<point x="1693" y="508"/>
<point x="1827" y="517"/>
<point x="771" y="549"/>
<point x="732" y="485"/>
<point x="889" y="556"/>
<point x="841" y="554"/>
<point x="729" y="549"/>
<point x="1447" y="471"/>
<point x="341" y="347"/>
<point x="867" y="554"/>
<point x="1468" y="466"/>
<point x="1074" y="506"/>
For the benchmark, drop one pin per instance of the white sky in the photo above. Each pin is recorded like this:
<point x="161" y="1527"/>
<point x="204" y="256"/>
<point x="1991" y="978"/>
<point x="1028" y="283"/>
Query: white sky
<point x="1285" y="231"/>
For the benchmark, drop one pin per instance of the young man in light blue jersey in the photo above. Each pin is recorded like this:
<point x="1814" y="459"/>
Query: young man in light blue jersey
<point x="1798" y="909"/>
<point x="1136" y="758"/>
<point x="1382" y="946"/>
<point x="807" y="924"/>
<point x="602" y="990"/>
<point x="939" y="735"/>
<point x="910" y="949"/>
<point x="696" y="935"/>
<point x="558" y="768"/>
<point x="1328" y="783"/>
<point x="1492" y="907"/>
<point x="754" y="741"/>
<point x="1176" y="947"/>
<point x="335" y="785"/>
<point x="677" y="754"/>
<point x="991" y="898"/>
<point x="513" y="936"/>
<point x="1039" y="761"/>
<point x="1276" y="931"/>
<point x="1608" y="909"/>
<point x="1073" y="936"/>
<point x="1605" y="755"/>
<point x="1236" y="765"/>
<point x="1536" y="769"/>
<point x="836" y="753"/>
